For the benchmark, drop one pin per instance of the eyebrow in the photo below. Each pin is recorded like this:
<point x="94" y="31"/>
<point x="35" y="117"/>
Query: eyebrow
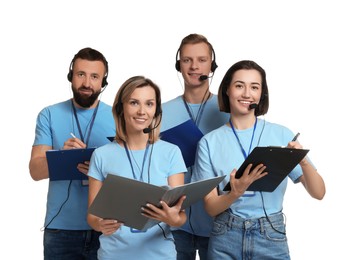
<point x="135" y="99"/>
<point x="240" y="81"/>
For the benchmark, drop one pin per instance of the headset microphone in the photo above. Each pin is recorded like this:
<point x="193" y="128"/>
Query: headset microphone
<point x="147" y="130"/>
<point x="204" y="77"/>
<point x="253" y="106"/>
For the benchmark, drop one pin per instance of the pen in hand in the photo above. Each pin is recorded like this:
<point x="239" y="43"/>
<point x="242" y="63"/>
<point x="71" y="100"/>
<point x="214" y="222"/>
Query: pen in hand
<point x="295" y="137"/>
<point x="79" y="144"/>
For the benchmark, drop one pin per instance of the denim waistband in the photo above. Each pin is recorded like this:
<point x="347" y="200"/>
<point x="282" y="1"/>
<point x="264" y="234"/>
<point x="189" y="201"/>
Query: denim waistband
<point x="73" y="231"/>
<point x="231" y="219"/>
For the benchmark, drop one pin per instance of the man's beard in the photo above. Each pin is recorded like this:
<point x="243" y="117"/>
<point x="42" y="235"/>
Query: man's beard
<point x="84" y="101"/>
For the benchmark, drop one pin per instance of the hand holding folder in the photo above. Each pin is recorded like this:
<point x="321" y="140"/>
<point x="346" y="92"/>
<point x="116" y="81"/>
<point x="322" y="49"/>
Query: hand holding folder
<point x="121" y="198"/>
<point x="279" y="162"/>
<point x="63" y="163"/>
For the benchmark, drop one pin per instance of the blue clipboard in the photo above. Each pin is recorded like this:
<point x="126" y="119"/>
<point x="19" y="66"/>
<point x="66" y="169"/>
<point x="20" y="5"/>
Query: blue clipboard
<point x="63" y="163"/>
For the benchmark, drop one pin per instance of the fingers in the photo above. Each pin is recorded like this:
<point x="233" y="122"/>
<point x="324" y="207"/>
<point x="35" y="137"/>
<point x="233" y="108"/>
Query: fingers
<point x="255" y="172"/>
<point x="109" y="226"/>
<point x="295" y="145"/>
<point x="180" y="202"/>
<point x="83" y="167"/>
<point x="151" y="211"/>
<point x="165" y="213"/>
<point x="259" y="171"/>
<point x="233" y="173"/>
<point x="73" y="143"/>
<point x="250" y="174"/>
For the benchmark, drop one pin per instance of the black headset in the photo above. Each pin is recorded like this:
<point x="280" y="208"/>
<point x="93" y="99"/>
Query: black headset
<point x="213" y="63"/>
<point x="104" y="80"/>
<point x="119" y="106"/>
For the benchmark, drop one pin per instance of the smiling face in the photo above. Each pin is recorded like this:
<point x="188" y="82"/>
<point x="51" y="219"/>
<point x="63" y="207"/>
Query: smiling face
<point x="245" y="89"/>
<point x="140" y="109"/>
<point x="195" y="60"/>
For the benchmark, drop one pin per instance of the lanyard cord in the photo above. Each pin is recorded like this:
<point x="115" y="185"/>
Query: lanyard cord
<point x="91" y="124"/>
<point x="239" y="142"/>
<point x="143" y="161"/>
<point x="201" y="108"/>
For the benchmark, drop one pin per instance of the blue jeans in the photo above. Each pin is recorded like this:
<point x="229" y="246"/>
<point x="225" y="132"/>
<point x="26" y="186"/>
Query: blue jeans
<point x="187" y="245"/>
<point x="71" y="244"/>
<point x="233" y="237"/>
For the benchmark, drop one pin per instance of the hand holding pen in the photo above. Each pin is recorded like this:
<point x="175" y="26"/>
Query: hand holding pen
<point x="73" y="143"/>
<point x="294" y="144"/>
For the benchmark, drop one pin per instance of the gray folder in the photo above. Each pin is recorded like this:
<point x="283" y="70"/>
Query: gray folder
<point x="121" y="198"/>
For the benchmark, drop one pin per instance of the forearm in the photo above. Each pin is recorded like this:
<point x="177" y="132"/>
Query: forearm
<point x="214" y="205"/>
<point x="312" y="181"/>
<point x="38" y="168"/>
<point x="93" y="221"/>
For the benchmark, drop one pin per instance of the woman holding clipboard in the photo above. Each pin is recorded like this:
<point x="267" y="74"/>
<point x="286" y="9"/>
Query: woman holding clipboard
<point x="248" y="224"/>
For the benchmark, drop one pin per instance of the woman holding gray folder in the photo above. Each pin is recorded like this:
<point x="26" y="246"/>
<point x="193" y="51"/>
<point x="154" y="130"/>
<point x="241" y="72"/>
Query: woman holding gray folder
<point x="138" y="153"/>
<point x="248" y="224"/>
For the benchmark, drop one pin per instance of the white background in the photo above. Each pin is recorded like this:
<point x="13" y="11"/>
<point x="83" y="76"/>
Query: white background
<point x="303" y="46"/>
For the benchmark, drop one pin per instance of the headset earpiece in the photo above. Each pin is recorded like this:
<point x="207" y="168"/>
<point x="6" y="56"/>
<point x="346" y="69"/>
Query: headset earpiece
<point x="70" y="72"/>
<point x="104" y="82"/>
<point x="177" y="63"/>
<point x="213" y="65"/>
<point x="119" y="106"/>
<point x="69" y="76"/>
<point x="158" y="110"/>
<point x="177" y="66"/>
